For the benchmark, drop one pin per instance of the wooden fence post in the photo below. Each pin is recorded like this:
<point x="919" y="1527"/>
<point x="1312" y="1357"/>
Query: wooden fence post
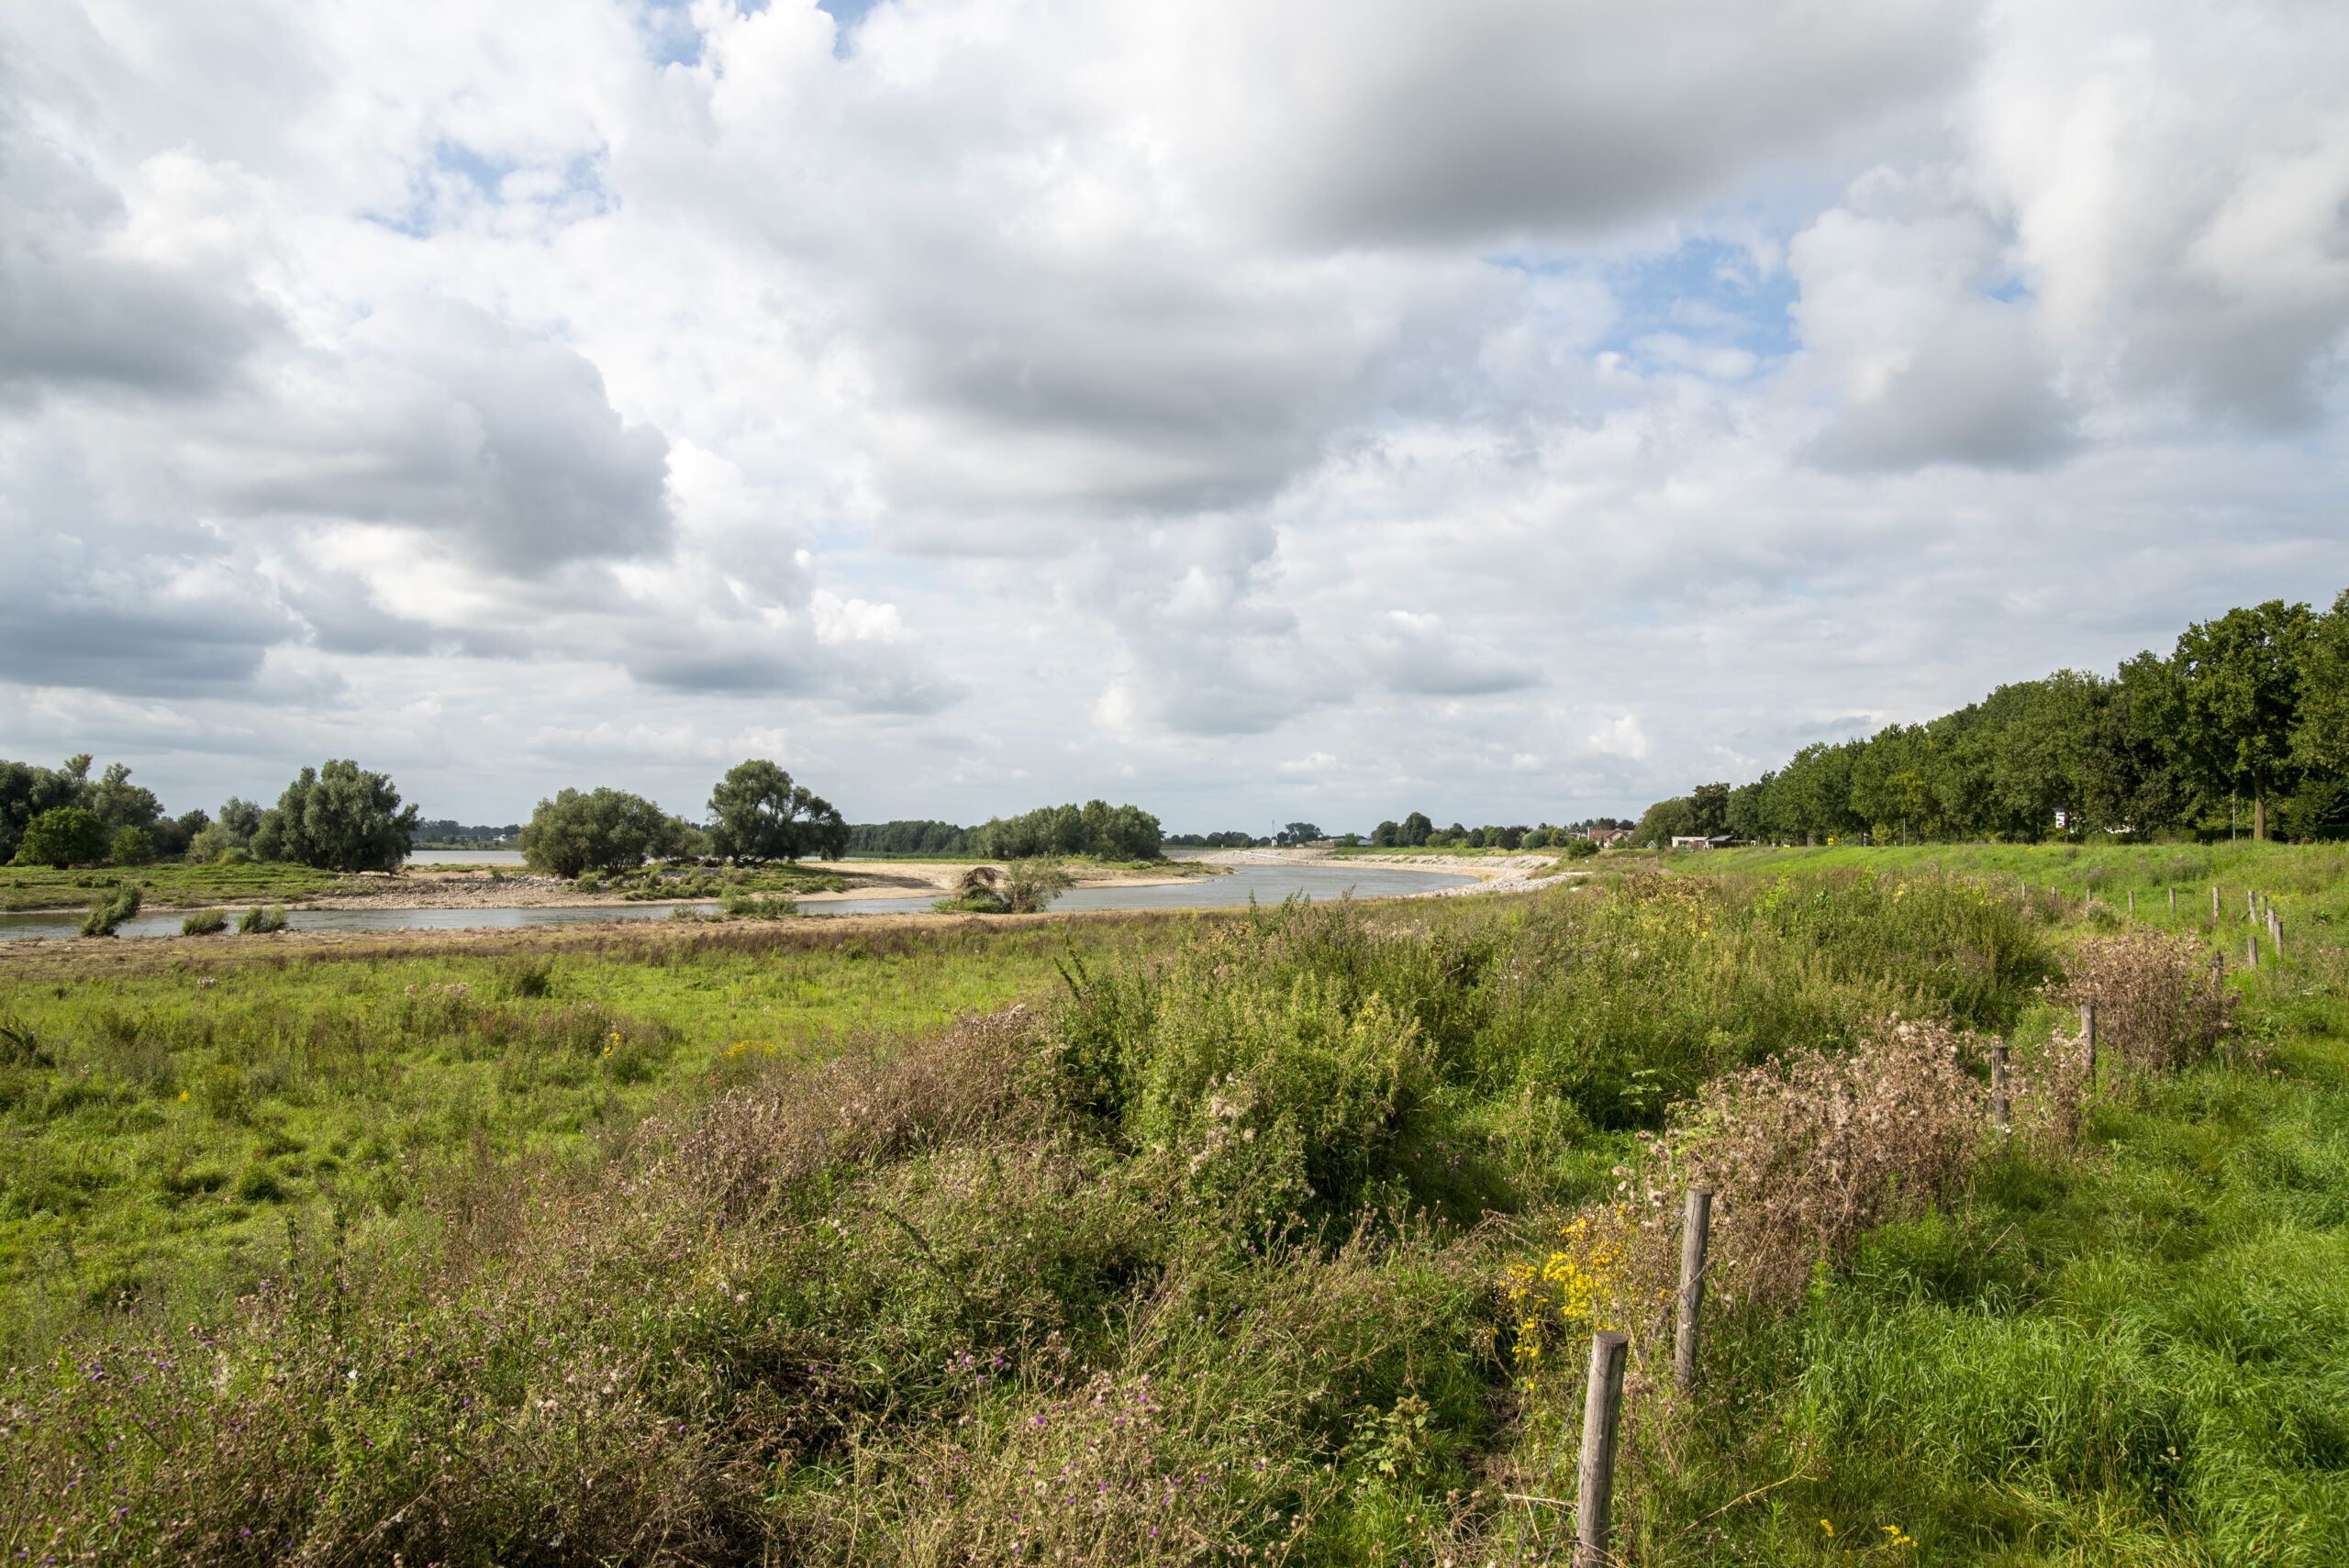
<point x="1594" y="1479"/>
<point x="2214" y="904"/>
<point x="2087" y="1033"/>
<point x="1998" y="1100"/>
<point x="1696" y="1233"/>
<point x="2132" y="901"/>
<point x="2173" y="901"/>
<point x="2250" y="951"/>
<point x="2276" y="932"/>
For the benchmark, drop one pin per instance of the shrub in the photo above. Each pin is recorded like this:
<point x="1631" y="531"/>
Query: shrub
<point x="1273" y="1095"/>
<point x="606" y="831"/>
<point x="63" y="837"/>
<point x="1030" y="885"/>
<point x="758" y="906"/>
<point x="132" y="847"/>
<point x="204" y="923"/>
<point x="1806" y="1155"/>
<point x="110" y="910"/>
<point x="1581" y="848"/>
<point x="2160" y="1000"/>
<point x="260" y="921"/>
<point x="233" y="856"/>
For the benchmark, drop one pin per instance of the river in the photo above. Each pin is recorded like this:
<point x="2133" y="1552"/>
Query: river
<point x="1264" y="884"/>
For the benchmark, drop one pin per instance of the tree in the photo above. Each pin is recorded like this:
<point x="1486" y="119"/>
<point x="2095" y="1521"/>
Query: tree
<point x="758" y="815"/>
<point x="131" y="847"/>
<point x="2226" y="703"/>
<point x="1415" y="831"/>
<point x="1296" y="833"/>
<point x="27" y="791"/>
<point x="2320" y="738"/>
<point x="63" y="837"/>
<point x="609" y="831"/>
<point x="1709" y="804"/>
<point x="337" y="817"/>
<point x="1664" y="821"/>
<point x="121" y="804"/>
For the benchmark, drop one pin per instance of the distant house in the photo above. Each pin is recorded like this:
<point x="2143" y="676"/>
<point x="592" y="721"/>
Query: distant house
<point x="1603" y="837"/>
<point x="1719" y="842"/>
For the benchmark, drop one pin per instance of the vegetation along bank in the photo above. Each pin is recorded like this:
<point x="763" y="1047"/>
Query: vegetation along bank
<point x="1262" y="1235"/>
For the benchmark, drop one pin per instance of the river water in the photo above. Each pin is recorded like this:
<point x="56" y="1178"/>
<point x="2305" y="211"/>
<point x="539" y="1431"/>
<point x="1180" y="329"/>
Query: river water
<point x="1264" y="884"/>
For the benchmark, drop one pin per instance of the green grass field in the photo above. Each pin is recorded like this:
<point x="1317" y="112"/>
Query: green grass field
<point x="166" y="883"/>
<point x="766" y="1246"/>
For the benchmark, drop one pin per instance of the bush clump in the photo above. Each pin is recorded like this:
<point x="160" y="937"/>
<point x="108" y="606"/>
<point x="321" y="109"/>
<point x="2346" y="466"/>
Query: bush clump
<point x="204" y="923"/>
<point x="261" y="919"/>
<point x="110" y="910"/>
<point x="2160" y="1001"/>
<point x="1804" y="1156"/>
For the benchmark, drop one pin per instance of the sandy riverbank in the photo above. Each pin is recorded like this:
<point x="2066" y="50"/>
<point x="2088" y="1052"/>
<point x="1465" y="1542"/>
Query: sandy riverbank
<point x="498" y="887"/>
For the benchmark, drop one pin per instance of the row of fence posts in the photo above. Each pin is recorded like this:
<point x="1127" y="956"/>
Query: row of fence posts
<point x="1611" y="1349"/>
<point x="1602" y="1406"/>
<point x="2257" y="910"/>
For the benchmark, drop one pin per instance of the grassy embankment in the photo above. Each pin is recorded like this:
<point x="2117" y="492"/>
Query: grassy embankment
<point x="1206" y="1260"/>
<point x="166" y="883"/>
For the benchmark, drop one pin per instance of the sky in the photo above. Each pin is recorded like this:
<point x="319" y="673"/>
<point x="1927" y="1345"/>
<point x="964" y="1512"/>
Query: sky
<point x="1260" y="412"/>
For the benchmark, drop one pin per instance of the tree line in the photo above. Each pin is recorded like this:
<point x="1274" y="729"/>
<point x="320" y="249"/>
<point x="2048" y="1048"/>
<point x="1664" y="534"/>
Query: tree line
<point x="1096" y="828"/>
<point x="343" y="818"/>
<point x="339" y="817"/>
<point x="2243" y="726"/>
<point x="1417" y="830"/>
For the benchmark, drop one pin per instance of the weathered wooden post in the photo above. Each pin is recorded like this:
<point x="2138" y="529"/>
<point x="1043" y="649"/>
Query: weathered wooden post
<point x="2173" y="901"/>
<point x="2214" y="904"/>
<point x="2132" y="901"/>
<point x="2087" y="1033"/>
<point x="2250" y="951"/>
<point x="1595" y="1480"/>
<point x="1696" y="1233"/>
<point x="2276" y="932"/>
<point x="1998" y="1100"/>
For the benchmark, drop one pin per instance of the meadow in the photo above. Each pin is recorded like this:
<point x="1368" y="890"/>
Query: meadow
<point x="1255" y="1236"/>
<point x="174" y="884"/>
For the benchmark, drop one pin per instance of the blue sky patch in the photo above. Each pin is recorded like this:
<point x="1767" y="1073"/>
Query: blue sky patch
<point x="848" y="14"/>
<point x="670" y="36"/>
<point x="1709" y="290"/>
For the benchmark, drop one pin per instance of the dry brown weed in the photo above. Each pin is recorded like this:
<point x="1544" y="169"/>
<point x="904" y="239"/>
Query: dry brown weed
<point x="1806" y="1155"/>
<point x="2160" y="1001"/>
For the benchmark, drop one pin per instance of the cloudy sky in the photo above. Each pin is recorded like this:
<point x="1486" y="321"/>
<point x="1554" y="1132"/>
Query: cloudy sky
<point x="1511" y="410"/>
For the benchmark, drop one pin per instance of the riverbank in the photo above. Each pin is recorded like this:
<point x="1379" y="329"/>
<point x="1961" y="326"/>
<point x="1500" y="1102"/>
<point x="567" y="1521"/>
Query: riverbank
<point x="182" y="888"/>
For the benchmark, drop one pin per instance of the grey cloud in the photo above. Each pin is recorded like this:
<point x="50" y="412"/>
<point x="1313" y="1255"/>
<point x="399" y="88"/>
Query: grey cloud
<point x="1418" y="123"/>
<point x="139" y="624"/>
<point x="1414" y="654"/>
<point x="440" y="417"/>
<point x="72" y="315"/>
<point x="1976" y="395"/>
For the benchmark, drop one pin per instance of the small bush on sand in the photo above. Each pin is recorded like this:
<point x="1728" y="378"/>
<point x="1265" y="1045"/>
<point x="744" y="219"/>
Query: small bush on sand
<point x="260" y="920"/>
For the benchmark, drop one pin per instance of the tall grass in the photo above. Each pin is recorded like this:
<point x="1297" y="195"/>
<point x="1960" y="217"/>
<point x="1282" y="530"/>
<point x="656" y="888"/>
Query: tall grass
<point x="1204" y="1252"/>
